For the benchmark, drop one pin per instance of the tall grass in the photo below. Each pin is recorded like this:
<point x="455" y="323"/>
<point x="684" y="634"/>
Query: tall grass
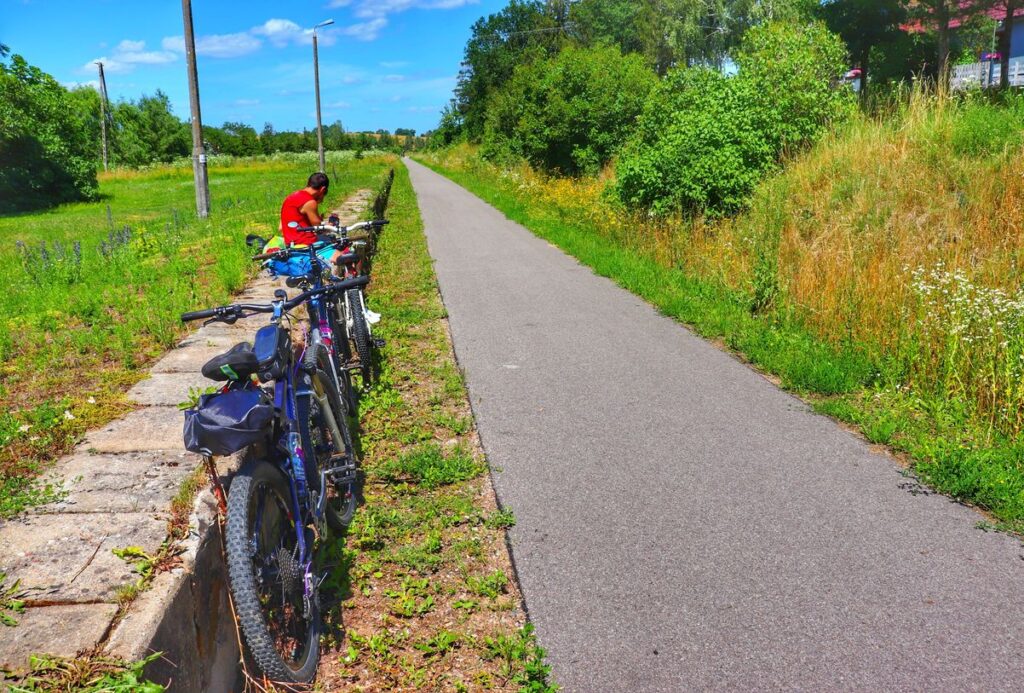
<point x="93" y="292"/>
<point x="896" y="244"/>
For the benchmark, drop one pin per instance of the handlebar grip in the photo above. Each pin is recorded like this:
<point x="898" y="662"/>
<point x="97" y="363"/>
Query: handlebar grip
<point x="266" y="256"/>
<point x="199" y="314"/>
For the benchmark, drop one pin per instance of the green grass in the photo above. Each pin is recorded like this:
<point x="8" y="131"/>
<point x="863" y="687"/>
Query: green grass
<point x="88" y="305"/>
<point x="947" y="447"/>
<point x="84" y="675"/>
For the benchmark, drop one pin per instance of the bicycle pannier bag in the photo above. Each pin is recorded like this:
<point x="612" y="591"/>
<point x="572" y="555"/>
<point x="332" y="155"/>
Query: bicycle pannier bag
<point x="226" y="422"/>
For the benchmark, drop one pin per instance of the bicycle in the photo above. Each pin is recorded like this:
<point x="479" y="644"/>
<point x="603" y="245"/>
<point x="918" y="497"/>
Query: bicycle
<point x="299" y="481"/>
<point x="327" y="325"/>
<point x="353" y="313"/>
<point x="357" y="322"/>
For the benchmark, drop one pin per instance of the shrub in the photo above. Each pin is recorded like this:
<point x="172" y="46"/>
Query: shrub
<point x="47" y="158"/>
<point x="568" y="113"/>
<point x="705" y="140"/>
<point x="985" y="129"/>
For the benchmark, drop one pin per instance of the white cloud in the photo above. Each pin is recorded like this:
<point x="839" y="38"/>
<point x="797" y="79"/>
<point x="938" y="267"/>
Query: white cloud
<point x="376" y="13"/>
<point x="127" y="46"/>
<point x="279" y="32"/>
<point x="366" y="31"/>
<point x="217" y="45"/>
<point x="127" y="55"/>
<point x="394" y="78"/>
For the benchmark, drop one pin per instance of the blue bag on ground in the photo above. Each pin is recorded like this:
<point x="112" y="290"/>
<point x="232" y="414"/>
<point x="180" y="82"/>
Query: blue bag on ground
<point x="226" y="422"/>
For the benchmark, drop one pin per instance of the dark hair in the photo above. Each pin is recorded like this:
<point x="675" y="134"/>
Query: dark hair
<point x="318" y="180"/>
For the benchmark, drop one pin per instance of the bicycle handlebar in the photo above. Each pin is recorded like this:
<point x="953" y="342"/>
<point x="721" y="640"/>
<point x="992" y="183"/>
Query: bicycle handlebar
<point x="238" y="310"/>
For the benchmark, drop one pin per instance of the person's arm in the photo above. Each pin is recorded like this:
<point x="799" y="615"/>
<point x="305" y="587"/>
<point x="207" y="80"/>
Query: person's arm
<point x="312" y="211"/>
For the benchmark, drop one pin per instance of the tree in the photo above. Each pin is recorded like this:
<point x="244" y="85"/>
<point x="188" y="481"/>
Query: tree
<point x="937" y="14"/>
<point x="704" y="140"/>
<point x="864" y="25"/>
<point x="449" y="129"/>
<point x="568" y="113"/>
<point x="1009" y="10"/>
<point x="521" y="32"/>
<point x="47" y="156"/>
<point x="618" y="22"/>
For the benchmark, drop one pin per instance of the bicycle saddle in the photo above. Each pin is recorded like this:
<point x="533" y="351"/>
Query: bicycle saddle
<point x="237" y="363"/>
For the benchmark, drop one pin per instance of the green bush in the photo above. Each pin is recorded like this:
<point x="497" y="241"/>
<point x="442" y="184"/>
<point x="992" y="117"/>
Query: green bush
<point x="984" y="129"/>
<point x="705" y="140"/>
<point x="568" y="113"/>
<point x="47" y="157"/>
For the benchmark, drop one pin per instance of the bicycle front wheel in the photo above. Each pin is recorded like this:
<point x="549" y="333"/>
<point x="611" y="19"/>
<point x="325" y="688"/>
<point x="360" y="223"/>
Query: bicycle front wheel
<point x="277" y="611"/>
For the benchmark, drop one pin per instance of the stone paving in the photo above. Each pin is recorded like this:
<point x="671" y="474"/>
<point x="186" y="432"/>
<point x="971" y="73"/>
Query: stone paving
<point x="120" y="482"/>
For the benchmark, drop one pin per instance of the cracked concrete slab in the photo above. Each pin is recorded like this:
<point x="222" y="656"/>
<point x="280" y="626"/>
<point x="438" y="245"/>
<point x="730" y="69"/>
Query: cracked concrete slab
<point x="127" y="482"/>
<point x="67" y="558"/>
<point x="188" y="359"/>
<point x="168" y="389"/>
<point x="151" y="428"/>
<point x="62" y="631"/>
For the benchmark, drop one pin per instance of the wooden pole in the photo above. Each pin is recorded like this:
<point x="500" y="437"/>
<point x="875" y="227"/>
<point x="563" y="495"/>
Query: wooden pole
<point x="103" y="114"/>
<point x="198" y="153"/>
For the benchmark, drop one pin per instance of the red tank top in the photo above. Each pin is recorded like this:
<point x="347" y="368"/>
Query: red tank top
<point x="290" y="211"/>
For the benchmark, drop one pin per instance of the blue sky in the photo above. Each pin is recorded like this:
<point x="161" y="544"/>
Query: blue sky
<point x="383" y="64"/>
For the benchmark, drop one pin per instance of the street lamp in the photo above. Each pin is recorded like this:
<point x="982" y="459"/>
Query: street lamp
<point x="316" y="86"/>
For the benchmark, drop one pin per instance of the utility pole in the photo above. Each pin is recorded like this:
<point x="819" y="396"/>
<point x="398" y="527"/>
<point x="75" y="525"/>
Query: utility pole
<point x="316" y="88"/>
<point x="198" y="153"/>
<point x="103" y="114"/>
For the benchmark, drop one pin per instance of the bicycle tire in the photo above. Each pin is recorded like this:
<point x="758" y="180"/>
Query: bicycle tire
<point x="360" y="334"/>
<point x="255" y="611"/>
<point x="340" y="505"/>
<point x="343" y="354"/>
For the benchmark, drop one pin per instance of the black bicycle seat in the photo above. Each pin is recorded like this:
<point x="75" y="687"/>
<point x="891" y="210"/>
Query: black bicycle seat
<point x="348" y="259"/>
<point x="237" y="363"/>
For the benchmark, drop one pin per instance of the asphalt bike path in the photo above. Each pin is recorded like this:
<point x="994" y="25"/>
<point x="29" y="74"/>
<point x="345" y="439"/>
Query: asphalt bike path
<point x="682" y="523"/>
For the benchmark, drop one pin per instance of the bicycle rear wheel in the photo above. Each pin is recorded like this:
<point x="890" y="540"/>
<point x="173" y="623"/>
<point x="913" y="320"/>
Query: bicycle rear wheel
<point x="360" y="334"/>
<point x="279" y="617"/>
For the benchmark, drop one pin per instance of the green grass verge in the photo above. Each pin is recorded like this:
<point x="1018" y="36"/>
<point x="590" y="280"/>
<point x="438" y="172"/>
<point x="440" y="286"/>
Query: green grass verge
<point x="945" y="448"/>
<point x="429" y="603"/>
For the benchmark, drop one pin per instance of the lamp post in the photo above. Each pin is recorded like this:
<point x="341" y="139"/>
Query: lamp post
<point x="316" y="87"/>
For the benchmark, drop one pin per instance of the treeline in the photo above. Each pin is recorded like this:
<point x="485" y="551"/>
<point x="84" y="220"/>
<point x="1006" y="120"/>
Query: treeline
<point x="693" y="99"/>
<point x="50" y="137"/>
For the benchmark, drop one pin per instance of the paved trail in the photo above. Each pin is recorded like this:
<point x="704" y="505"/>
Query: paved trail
<point x="684" y="524"/>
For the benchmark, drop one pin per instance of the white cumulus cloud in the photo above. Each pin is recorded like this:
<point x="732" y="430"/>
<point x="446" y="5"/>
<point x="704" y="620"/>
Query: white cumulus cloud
<point x="127" y="55"/>
<point x="217" y="45"/>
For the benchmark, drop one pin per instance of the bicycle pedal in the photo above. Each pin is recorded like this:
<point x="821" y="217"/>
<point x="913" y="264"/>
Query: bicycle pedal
<point x="380" y="343"/>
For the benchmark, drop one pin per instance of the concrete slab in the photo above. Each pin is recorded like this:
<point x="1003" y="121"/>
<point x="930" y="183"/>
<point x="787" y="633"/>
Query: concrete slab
<point x="68" y="558"/>
<point x="167" y="389"/>
<point x="62" y="631"/>
<point x="152" y="428"/>
<point x="128" y="482"/>
<point x="188" y="359"/>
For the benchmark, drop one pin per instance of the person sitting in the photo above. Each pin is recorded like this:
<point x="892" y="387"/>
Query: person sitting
<point x="303" y="207"/>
